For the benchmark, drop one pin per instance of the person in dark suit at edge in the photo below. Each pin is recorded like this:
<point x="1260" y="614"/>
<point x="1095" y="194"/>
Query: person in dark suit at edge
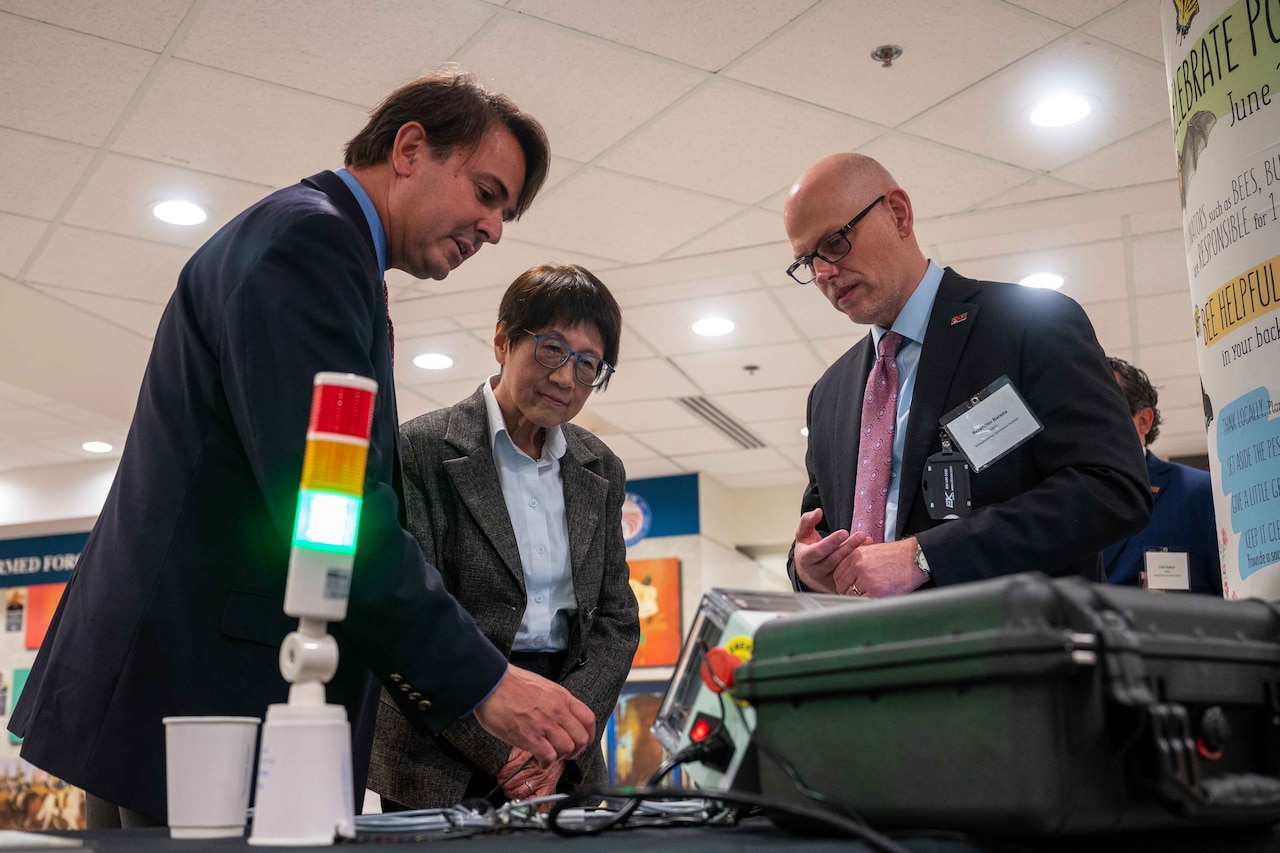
<point x="1051" y="504"/>
<point x="175" y="607"/>
<point x="1182" y="517"/>
<point x="521" y="510"/>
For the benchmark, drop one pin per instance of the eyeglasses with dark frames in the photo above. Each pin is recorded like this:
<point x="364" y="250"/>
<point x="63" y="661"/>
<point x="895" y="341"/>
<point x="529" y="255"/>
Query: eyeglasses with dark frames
<point x="831" y="248"/>
<point x="552" y="353"/>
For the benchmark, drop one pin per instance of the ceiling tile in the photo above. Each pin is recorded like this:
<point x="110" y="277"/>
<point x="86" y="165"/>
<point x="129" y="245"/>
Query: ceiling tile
<point x="1036" y="190"/>
<point x="811" y="311"/>
<point x="1168" y="360"/>
<point x="1111" y="326"/>
<point x="777" y="366"/>
<point x="29" y="454"/>
<point x="735" y="462"/>
<point x="668" y="327"/>
<point x="1160" y="264"/>
<point x="1143" y="158"/>
<point x="826" y="57"/>
<point x="621" y="217"/>
<point x="766" y="479"/>
<point x="697" y="439"/>
<point x="941" y="180"/>
<point x="648" y="415"/>
<point x="423" y="328"/>
<point x="148" y="24"/>
<point x="752" y="227"/>
<point x="21" y="396"/>
<point x="698" y="289"/>
<point x="1165" y="319"/>
<point x="72" y="443"/>
<point x="782" y="433"/>
<point x="1127" y="93"/>
<point x="1015" y="239"/>
<point x="829" y="349"/>
<point x="615" y="89"/>
<point x="498" y="266"/>
<point x="33" y="424"/>
<point x="470" y="358"/>
<point x="1178" y="393"/>
<point x="86" y="418"/>
<point x="410" y="404"/>
<point x="37" y="173"/>
<point x="294" y="42"/>
<point x="20" y="237"/>
<point x="752" y="407"/>
<point x="110" y="264"/>
<point x="218" y="122"/>
<point x="135" y="315"/>
<point x="710" y="34"/>
<point x="1094" y="272"/>
<point x="628" y="449"/>
<point x="118" y="199"/>
<point x="735" y="142"/>
<point x="643" y="469"/>
<point x="649" y="379"/>
<point x="442" y="394"/>
<point x="1134" y="27"/>
<point x="1073" y="13"/>
<point x="63" y="84"/>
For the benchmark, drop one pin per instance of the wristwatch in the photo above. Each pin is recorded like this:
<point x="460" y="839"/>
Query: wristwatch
<point x="922" y="563"/>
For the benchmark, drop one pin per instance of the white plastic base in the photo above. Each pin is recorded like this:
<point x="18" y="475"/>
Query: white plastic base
<point x="304" y="795"/>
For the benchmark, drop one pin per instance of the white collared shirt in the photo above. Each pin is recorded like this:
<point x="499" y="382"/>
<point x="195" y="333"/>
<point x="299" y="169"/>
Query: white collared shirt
<point x="534" y="494"/>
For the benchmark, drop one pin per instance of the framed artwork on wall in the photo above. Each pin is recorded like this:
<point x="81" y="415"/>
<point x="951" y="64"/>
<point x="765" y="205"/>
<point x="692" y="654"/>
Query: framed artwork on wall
<point x="656" y="584"/>
<point x="631" y="750"/>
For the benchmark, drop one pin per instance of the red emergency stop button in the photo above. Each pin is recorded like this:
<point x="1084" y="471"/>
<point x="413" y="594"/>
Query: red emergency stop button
<point x="717" y="669"/>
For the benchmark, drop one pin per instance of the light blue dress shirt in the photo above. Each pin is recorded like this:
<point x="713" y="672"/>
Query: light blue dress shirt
<point x="370" y="215"/>
<point x="911" y="323"/>
<point x="534" y="493"/>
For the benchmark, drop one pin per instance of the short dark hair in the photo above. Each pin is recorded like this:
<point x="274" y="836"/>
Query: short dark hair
<point x="565" y="295"/>
<point x="454" y="111"/>
<point x="1139" y="393"/>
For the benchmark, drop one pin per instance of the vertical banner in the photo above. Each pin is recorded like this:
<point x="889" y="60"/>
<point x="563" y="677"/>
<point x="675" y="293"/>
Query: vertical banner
<point x="1222" y="59"/>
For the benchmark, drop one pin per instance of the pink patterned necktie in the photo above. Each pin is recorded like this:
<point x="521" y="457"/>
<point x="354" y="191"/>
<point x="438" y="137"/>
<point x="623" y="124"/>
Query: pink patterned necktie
<point x="875" y="444"/>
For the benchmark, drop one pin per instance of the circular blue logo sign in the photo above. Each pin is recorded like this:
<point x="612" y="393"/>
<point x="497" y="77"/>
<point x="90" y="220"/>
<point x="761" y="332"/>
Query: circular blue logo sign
<point x="636" y="518"/>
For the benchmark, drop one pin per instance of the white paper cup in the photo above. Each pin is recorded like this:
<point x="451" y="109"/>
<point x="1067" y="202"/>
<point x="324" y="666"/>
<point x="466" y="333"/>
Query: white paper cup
<point x="209" y="766"/>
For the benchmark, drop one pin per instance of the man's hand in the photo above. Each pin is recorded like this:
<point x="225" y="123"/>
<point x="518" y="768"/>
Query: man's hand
<point x="529" y="781"/>
<point x="532" y="713"/>
<point x="818" y="557"/>
<point x="881" y="570"/>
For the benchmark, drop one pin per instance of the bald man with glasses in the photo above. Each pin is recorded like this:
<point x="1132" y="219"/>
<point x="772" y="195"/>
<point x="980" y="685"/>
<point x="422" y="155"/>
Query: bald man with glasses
<point x="972" y="433"/>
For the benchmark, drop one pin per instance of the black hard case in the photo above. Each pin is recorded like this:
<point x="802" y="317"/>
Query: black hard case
<point x="1024" y="706"/>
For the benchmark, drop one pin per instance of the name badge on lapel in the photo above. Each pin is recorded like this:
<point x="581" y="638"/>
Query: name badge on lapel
<point x="991" y="423"/>
<point x="945" y="484"/>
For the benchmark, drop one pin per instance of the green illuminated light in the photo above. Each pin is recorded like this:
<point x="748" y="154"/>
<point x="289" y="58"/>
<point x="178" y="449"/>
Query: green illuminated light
<point x="327" y="521"/>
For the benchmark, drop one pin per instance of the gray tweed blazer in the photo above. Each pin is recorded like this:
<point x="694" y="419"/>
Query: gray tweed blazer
<point x="457" y="512"/>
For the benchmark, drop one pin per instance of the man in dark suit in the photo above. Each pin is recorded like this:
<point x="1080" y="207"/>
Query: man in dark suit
<point x="1182" y="517"/>
<point x="175" y="607"/>
<point x="1050" y="503"/>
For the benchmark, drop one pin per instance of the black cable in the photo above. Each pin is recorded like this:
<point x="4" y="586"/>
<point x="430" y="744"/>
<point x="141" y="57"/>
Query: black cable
<point x="503" y="783"/>
<point x="822" y="816"/>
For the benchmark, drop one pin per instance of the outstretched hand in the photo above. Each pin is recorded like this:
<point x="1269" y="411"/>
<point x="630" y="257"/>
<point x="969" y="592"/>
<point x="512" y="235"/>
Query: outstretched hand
<point x="531" y="713"/>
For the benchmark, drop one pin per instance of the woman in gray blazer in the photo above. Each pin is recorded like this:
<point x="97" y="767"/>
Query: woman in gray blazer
<point x="521" y="511"/>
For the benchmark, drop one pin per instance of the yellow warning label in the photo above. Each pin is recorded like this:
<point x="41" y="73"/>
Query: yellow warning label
<point x="740" y="648"/>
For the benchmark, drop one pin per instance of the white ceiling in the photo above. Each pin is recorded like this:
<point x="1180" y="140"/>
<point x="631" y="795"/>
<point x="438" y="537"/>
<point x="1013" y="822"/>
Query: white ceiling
<point x="677" y="127"/>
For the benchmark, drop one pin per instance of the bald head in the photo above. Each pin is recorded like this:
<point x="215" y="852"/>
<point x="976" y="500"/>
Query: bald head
<point x="854" y="176"/>
<point x="881" y="264"/>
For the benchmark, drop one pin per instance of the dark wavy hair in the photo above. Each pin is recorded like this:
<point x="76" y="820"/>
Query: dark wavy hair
<point x="561" y="295"/>
<point x="454" y="111"/>
<point x="1139" y="393"/>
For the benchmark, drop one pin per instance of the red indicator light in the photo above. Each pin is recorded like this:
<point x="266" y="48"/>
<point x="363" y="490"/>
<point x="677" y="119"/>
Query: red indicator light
<point x="341" y="410"/>
<point x="701" y="728"/>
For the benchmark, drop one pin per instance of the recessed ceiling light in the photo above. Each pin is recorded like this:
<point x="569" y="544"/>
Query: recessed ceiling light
<point x="804" y="431"/>
<point x="1047" y="280"/>
<point x="713" y="326"/>
<point x="97" y="447"/>
<point x="1060" y="110"/>
<point x="179" y="213"/>
<point x="433" y="361"/>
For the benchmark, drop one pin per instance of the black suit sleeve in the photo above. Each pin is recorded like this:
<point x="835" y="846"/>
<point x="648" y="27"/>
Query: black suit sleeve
<point x="307" y="305"/>
<point x="1080" y="484"/>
